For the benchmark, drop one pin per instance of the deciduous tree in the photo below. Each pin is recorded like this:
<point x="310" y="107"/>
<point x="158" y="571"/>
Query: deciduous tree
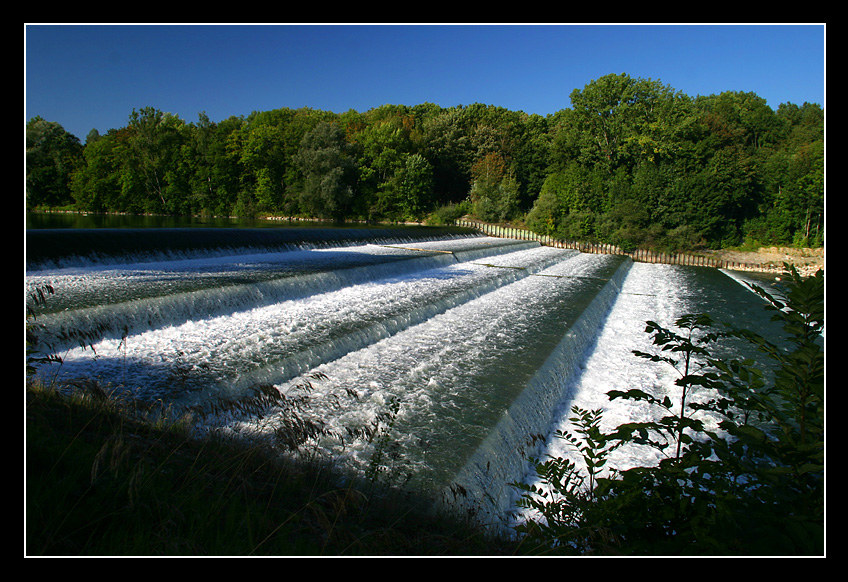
<point x="328" y="170"/>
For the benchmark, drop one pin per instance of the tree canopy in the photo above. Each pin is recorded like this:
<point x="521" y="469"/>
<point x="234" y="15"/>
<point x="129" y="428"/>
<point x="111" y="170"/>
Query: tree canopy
<point x="632" y="162"/>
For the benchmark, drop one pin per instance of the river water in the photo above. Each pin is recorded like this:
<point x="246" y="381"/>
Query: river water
<point x="465" y="351"/>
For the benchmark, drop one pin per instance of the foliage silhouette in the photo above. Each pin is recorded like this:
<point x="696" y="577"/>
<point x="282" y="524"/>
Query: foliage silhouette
<point x="750" y="482"/>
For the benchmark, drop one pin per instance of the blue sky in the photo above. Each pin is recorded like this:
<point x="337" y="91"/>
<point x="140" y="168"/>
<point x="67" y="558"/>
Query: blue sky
<point x="93" y="76"/>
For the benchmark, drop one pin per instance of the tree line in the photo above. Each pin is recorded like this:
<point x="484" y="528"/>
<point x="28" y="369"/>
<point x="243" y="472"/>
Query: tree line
<point x="632" y="162"/>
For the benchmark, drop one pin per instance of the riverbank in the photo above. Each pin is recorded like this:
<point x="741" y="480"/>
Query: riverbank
<point x="102" y="481"/>
<point x="766" y="259"/>
<point x="806" y="260"/>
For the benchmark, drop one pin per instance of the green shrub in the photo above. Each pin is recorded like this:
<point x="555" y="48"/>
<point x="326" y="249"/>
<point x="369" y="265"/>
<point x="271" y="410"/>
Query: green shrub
<point x="448" y="214"/>
<point x="752" y="486"/>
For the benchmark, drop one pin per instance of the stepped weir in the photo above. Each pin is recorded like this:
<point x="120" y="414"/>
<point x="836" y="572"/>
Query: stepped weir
<point x="458" y="347"/>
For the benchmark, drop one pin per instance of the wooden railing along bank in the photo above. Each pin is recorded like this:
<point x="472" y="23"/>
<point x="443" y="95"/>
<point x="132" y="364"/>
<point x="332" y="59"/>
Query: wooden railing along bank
<point x="640" y="255"/>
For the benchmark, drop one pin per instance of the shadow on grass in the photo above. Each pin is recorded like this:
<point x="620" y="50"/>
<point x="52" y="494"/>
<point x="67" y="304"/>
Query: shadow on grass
<point x="102" y="481"/>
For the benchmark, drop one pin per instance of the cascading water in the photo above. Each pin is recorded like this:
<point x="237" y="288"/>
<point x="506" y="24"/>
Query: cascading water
<point x="56" y="248"/>
<point x="472" y="383"/>
<point x="660" y="293"/>
<point x="473" y="346"/>
<point x="276" y="329"/>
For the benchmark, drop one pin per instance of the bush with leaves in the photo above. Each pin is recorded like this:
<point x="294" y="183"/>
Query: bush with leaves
<point x="750" y="482"/>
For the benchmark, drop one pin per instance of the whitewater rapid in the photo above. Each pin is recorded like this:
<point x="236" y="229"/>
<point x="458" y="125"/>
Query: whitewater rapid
<point x="465" y="353"/>
<point x="662" y="294"/>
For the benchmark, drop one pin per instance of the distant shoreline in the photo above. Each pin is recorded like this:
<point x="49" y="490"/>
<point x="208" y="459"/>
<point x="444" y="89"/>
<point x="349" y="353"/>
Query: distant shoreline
<point x="771" y="259"/>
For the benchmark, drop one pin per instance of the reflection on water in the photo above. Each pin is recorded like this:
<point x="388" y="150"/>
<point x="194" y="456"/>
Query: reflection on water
<point x="39" y="220"/>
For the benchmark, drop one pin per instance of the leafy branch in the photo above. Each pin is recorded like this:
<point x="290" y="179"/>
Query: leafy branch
<point x="687" y="353"/>
<point x="754" y="485"/>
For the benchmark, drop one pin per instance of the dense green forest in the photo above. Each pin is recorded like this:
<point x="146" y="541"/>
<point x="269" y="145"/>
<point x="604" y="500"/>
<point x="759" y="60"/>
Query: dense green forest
<point x="632" y="162"/>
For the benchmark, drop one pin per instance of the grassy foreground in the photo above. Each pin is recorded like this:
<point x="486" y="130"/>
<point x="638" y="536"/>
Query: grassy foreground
<point x="100" y="481"/>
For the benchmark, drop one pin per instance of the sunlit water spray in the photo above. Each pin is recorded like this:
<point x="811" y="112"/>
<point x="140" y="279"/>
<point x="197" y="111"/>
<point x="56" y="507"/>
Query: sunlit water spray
<point x="659" y="293"/>
<point x="472" y="383"/>
<point x="276" y="341"/>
